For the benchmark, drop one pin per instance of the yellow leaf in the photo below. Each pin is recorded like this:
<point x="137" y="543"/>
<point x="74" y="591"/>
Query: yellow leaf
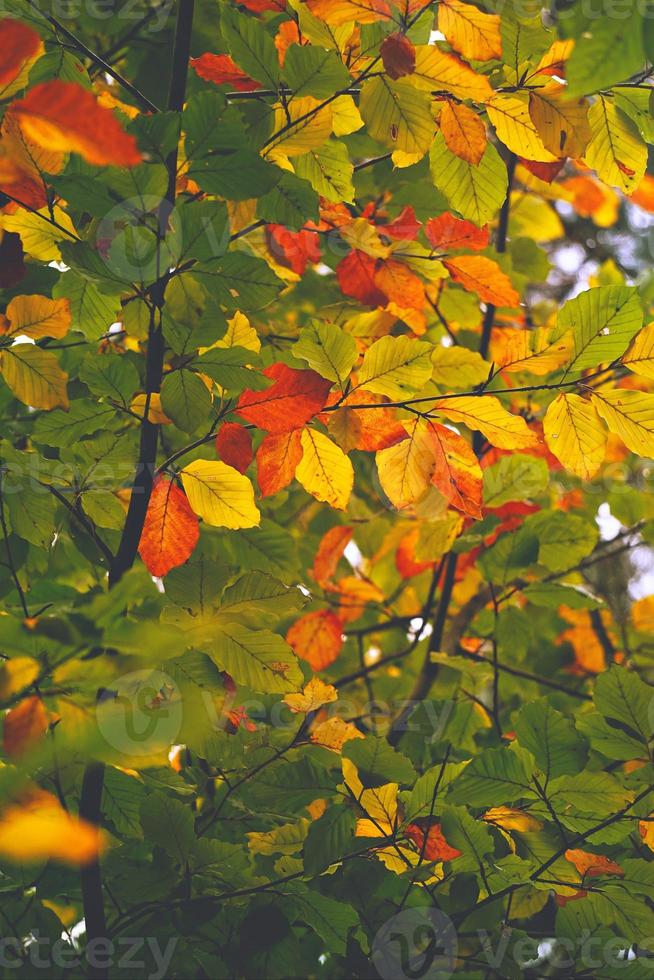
<point x="534" y="218"/>
<point x="32" y="159"/>
<point x="436" y="69"/>
<point x="219" y="494"/>
<point x="630" y="415"/>
<point x="38" y="316"/>
<point x="302" y="130"/>
<point x="487" y="414"/>
<point x="463" y="131"/>
<point x="34" y="376"/>
<point x="379" y="803"/>
<point x="346" y="117"/>
<point x="510" y="819"/>
<point x="575" y="434"/>
<point x="405" y="469"/>
<point x="38" y="235"/>
<point x="555" y="57"/>
<point x="16" y="674"/>
<point x="642" y="615"/>
<point x="338" y="12"/>
<point x="334" y="733"/>
<point x="470" y="31"/>
<point x="239" y="333"/>
<point x="615" y="151"/>
<point x="530" y="350"/>
<point x="640" y="356"/>
<point x="39" y="829"/>
<point x="562" y="123"/>
<point x="360" y="234"/>
<point x="314" y="695"/>
<point x="397" y="114"/>
<point x="156" y="414"/>
<point x="324" y="470"/>
<point x="514" y="126"/>
<point x="396" y="366"/>
<point x="458" y="367"/>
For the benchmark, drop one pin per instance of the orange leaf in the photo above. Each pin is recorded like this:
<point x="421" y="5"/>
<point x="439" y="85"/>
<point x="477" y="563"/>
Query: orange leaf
<point x="317" y="638"/>
<point x="405" y="227"/>
<point x="37" y="828"/>
<point x="482" y="276"/>
<point x="277" y="459"/>
<point x="222" y="70"/>
<point x="434" y="847"/>
<point x="405" y="557"/>
<point x="331" y="547"/>
<point x="470" y="31"/>
<point x="293" y="399"/>
<point x="24" y="727"/>
<point x="19" y="45"/>
<point x="234" y="446"/>
<point x="64" y="116"/>
<point x="447" y="233"/>
<point x="398" y="55"/>
<point x="457" y="473"/>
<point x="356" y="278"/>
<point x="463" y="131"/>
<point x="593" y="865"/>
<point x="171" y="529"/>
<point x="400" y="284"/>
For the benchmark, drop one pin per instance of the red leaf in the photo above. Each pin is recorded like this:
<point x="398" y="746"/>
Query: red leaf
<point x="405" y="227"/>
<point x="171" y="529"/>
<point x="294" y="250"/>
<point x="277" y="460"/>
<point x="64" y="116"/>
<point x="356" y="277"/>
<point x="405" y="557"/>
<point x="457" y="473"/>
<point x="544" y="171"/>
<point x="259" y="6"/>
<point x="222" y="70"/>
<point x="435" y="847"/>
<point x="293" y="399"/>
<point x="331" y="547"/>
<point x="398" y="55"/>
<point x="19" y="44"/>
<point x="234" y="446"/>
<point x="24" y="726"/>
<point x="447" y="233"/>
<point x="317" y="638"/>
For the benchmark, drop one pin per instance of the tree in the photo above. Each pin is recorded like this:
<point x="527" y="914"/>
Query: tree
<point x="314" y="659"/>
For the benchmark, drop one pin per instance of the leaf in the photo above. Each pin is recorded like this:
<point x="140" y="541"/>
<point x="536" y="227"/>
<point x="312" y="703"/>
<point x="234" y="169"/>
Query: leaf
<point x="630" y="415"/>
<point x="398" y="55"/>
<point x="291" y="202"/>
<point x="623" y="698"/>
<point x="277" y="460"/>
<point x="324" y="470"/>
<point x="564" y="539"/>
<point x="313" y="696"/>
<point x="551" y="738"/>
<point x="605" y="53"/>
<point x="430" y="841"/>
<point x="38" y="316"/>
<point x="258" y="659"/>
<point x="317" y="638"/>
<point x="21" y="45"/>
<point x="436" y="69"/>
<point x="575" y="434"/>
<point x="639" y="356"/>
<point x="447" y="233"/>
<point x="327" y="349"/>
<point x="561" y="122"/>
<point x="602" y="321"/>
<point x="171" y="529"/>
<point x="615" y="150"/>
<point x="251" y="47"/>
<point x="306" y="127"/>
<point x="291" y="401"/>
<point x="234" y="446"/>
<point x="329" y="170"/>
<point x="64" y="116"/>
<point x="476" y="192"/>
<point x="397" y="114"/>
<point x="395" y="366"/>
<point x="38" y="237"/>
<point x="185" y="399"/>
<point x="514" y="477"/>
<point x="463" y="131"/>
<point x="110" y="375"/>
<point x="24" y="727"/>
<point x="223" y="70"/>
<point x="533" y="351"/>
<point x="457" y="473"/>
<point x="256" y="594"/>
<point x="168" y="823"/>
<point x="38" y="829"/>
<point x="219" y="494"/>
<point x="405" y="469"/>
<point x="486" y="414"/>
<point x="470" y="31"/>
<point x="329" y="837"/>
<point x="514" y="126"/>
<point x="377" y="762"/>
<point x="482" y="276"/>
<point x="592" y="865"/>
<point x="310" y="70"/>
<point x="337" y="12"/>
<point x="34" y="376"/>
<point x="494" y="776"/>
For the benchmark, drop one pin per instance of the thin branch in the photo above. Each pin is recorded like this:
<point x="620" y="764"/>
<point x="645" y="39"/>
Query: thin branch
<point x="10" y="560"/>
<point x="83" y="521"/>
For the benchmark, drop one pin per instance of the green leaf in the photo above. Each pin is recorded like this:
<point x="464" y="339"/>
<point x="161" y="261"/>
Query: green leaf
<point x="603" y="320"/>
<point x="259" y="659"/>
<point x="329" y="838"/>
<point x="255" y="596"/>
<point x="291" y="202"/>
<point x="564" y="539"/>
<point x="238" y="176"/>
<point x="397" y="114"/>
<point x="493" y="778"/>
<point x="240" y="281"/>
<point x="111" y="376"/>
<point x="227" y="367"/>
<point x="515" y="477"/>
<point x="472" y="837"/>
<point x="31" y="513"/>
<point x="328" y="349"/>
<point x="205" y="230"/>
<point x="596" y="793"/>
<point x="251" y="47"/>
<point x="626" y="701"/>
<point x="93" y="312"/>
<point x="612" y="742"/>
<point x="309" y="70"/>
<point x="377" y="762"/>
<point x="476" y="192"/>
<point x="608" y="51"/>
<point x="169" y="824"/>
<point x="551" y="738"/>
<point x="211" y="125"/>
<point x="185" y="399"/>
<point x="551" y="595"/>
<point x="122" y="799"/>
<point x="396" y="367"/>
<point x="329" y="170"/>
